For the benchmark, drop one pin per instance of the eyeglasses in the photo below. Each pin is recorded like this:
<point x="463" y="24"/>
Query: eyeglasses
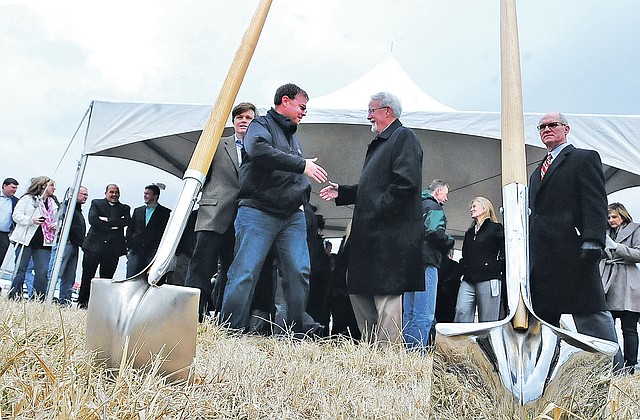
<point x="372" y="110"/>
<point x="554" y="124"/>
<point x="303" y="107"/>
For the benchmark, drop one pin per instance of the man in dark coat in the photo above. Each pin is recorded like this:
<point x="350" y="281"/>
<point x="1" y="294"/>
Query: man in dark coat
<point x="385" y="245"/>
<point x="105" y="242"/>
<point x="69" y="263"/>
<point x="145" y="230"/>
<point x="567" y="228"/>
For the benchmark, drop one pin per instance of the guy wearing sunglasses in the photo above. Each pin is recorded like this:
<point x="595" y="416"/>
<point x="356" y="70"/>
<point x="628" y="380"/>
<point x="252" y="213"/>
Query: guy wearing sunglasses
<point x="567" y="229"/>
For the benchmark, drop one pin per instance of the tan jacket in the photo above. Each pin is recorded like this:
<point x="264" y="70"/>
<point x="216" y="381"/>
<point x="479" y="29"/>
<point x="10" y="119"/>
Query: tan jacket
<point x="218" y="205"/>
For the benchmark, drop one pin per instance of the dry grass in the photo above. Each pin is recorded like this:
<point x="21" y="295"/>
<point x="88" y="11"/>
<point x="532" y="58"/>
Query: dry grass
<point x="46" y="373"/>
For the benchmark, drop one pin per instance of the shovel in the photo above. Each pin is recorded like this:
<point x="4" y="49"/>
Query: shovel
<point x="521" y="358"/>
<point x="137" y="319"/>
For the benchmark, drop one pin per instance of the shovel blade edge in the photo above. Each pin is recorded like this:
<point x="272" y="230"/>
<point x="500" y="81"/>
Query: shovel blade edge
<point x="520" y="372"/>
<point x="150" y="322"/>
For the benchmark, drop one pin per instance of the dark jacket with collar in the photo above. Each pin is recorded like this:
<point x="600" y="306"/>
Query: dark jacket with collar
<point x="144" y="239"/>
<point x="483" y="252"/>
<point x="272" y="176"/>
<point x="107" y="237"/>
<point x="436" y="241"/>
<point x="568" y="207"/>
<point x="78" y="228"/>
<point x="385" y="244"/>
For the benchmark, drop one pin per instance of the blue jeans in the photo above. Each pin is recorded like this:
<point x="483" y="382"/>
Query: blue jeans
<point x="67" y="273"/>
<point x="419" y="311"/>
<point x="40" y="258"/>
<point x="256" y="232"/>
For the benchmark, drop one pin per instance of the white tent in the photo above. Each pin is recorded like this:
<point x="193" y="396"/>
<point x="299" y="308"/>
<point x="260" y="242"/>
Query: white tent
<point x="459" y="146"/>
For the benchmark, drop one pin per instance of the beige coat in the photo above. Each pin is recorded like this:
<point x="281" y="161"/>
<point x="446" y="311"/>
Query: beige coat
<point x="218" y="205"/>
<point x="620" y="274"/>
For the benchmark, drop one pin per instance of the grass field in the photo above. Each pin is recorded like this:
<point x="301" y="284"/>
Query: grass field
<point x="45" y="372"/>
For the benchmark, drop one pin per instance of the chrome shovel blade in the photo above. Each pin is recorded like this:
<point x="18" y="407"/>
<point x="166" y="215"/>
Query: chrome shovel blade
<point x="520" y="365"/>
<point x="147" y="321"/>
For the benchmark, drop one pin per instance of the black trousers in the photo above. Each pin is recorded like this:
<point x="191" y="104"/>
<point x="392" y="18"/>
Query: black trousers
<point x="210" y="247"/>
<point x="90" y="261"/>
<point x="4" y="245"/>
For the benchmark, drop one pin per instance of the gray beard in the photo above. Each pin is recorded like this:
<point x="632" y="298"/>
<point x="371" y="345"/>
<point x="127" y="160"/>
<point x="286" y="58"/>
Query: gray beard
<point x="374" y="127"/>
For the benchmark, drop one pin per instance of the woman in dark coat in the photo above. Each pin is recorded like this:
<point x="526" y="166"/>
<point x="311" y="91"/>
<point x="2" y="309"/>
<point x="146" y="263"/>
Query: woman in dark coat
<point x="621" y="277"/>
<point x="482" y="265"/>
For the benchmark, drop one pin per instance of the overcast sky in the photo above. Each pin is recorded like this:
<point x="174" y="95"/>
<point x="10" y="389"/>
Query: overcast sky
<point x="57" y="56"/>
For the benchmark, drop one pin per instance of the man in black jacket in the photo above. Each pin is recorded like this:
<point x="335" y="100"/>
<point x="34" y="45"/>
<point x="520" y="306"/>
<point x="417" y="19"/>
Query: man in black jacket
<point x="105" y="242"/>
<point x="567" y="229"/>
<point x="387" y="211"/>
<point x="70" y="251"/>
<point x="145" y="230"/>
<point x="271" y="196"/>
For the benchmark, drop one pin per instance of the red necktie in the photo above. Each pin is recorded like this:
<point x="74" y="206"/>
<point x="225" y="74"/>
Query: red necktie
<point x="545" y="165"/>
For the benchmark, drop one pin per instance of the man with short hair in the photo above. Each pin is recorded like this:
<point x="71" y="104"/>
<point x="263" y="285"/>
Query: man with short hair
<point x="8" y="202"/>
<point x="69" y="263"/>
<point x="105" y="242"/>
<point x="145" y="230"/>
<point x="567" y="228"/>
<point x="420" y="307"/>
<point x="387" y="211"/>
<point x="272" y="192"/>
<point x="214" y="233"/>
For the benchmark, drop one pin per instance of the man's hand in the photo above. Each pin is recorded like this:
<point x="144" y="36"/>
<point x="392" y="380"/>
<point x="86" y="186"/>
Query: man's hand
<point x="590" y="252"/>
<point x="330" y="192"/>
<point x="315" y="172"/>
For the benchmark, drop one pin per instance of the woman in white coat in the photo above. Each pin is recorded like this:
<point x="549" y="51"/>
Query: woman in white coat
<point x="621" y="277"/>
<point x="34" y="234"/>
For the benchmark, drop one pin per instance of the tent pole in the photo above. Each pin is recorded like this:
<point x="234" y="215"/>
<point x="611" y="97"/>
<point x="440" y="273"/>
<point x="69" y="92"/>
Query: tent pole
<point x="66" y="228"/>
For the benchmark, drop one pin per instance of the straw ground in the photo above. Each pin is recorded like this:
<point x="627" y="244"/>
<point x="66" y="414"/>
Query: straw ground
<point x="45" y="372"/>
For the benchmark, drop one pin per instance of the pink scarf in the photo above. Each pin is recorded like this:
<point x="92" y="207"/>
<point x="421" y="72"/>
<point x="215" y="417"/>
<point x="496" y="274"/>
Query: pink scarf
<point x="48" y="227"/>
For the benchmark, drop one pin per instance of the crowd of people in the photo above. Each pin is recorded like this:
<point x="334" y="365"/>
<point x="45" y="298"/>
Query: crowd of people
<point x="254" y="246"/>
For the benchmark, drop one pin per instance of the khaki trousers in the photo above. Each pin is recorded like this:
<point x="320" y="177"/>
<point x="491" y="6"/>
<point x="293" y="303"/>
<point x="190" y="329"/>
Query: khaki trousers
<point x="379" y="318"/>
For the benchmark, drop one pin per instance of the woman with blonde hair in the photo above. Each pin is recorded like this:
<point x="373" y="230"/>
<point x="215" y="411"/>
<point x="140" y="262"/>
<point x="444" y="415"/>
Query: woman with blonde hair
<point x="482" y="265"/>
<point x="621" y="278"/>
<point x="35" y="231"/>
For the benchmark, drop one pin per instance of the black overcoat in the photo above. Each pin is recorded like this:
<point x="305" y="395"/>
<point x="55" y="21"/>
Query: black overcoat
<point x="385" y="244"/>
<point x="568" y="207"/>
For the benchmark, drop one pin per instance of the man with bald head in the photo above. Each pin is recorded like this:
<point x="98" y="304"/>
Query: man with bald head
<point x="105" y="242"/>
<point x="567" y="229"/>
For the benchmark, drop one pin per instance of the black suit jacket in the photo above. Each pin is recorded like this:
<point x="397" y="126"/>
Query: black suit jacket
<point x="107" y="237"/>
<point x="143" y="239"/>
<point x="568" y="207"/>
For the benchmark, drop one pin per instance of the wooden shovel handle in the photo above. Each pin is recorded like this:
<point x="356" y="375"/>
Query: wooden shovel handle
<point x="513" y="150"/>
<point x="210" y="137"/>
